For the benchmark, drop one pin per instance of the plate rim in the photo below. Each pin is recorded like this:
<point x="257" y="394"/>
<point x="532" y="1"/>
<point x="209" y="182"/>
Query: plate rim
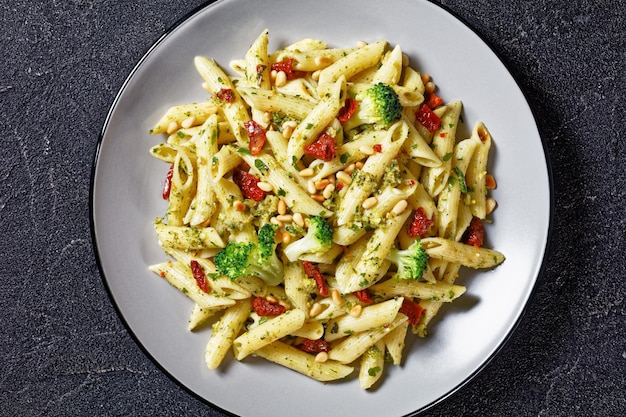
<point x="540" y="271"/>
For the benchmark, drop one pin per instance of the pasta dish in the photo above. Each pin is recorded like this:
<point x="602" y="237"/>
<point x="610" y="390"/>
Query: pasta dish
<point x="320" y="205"/>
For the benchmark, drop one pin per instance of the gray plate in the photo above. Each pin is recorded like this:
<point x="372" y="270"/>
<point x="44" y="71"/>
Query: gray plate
<point x="127" y="181"/>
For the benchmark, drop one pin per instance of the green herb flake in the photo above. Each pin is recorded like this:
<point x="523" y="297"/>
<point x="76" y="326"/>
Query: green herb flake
<point x="461" y="178"/>
<point x="373" y="371"/>
<point x="260" y="165"/>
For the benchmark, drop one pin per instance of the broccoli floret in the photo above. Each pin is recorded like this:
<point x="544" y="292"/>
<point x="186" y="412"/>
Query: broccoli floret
<point x="378" y="105"/>
<point x="318" y="238"/>
<point x="410" y="262"/>
<point x="239" y="259"/>
<point x="267" y="244"/>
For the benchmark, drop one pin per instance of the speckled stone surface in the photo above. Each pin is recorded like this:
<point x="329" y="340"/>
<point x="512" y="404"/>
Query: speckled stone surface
<point x="64" y="351"/>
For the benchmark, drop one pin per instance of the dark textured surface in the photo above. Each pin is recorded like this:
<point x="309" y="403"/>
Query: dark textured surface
<point x="64" y="351"/>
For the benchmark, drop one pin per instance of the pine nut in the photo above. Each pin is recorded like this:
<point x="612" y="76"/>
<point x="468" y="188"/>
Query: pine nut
<point x="288" y="128"/>
<point x="429" y="87"/>
<point x="307" y="172"/>
<point x="188" y="122"/>
<point x="490" y="182"/>
<point x="239" y="206"/>
<point x="206" y="87"/>
<point x="282" y="206"/>
<point x="321" y="184"/>
<point x="318" y="197"/>
<point x="399" y="207"/>
<point x="335" y="295"/>
<point x="281" y="79"/>
<point x="275" y="221"/>
<point x="361" y="44"/>
<point x="369" y="203"/>
<point x="172" y="127"/>
<point x="315" y="310"/>
<point x="286" y="238"/>
<point x="367" y="150"/>
<point x="298" y="219"/>
<point x="328" y="191"/>
<point x="490" y="205"/>
<point x="356" y="310"/>
<point x="273" y="75"/>
<point x="425" y="78"/>
<point x="343" y="177"/>
<point x="359" y="165"/>
<point x="349" y="169"/>
<point x="284" y="218"/>
<point x="310" y="186"/>
<point x="271" y="299"/>
<point x="321" y="357"/>
<point x="267" y="117"/>
<point x="315" y="75"/>
<point x="265" y="186"/>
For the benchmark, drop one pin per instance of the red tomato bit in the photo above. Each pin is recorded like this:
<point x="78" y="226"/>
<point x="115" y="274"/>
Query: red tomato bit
<point x="412" y="310"/>
<point x="475" y="233"/>
<point x="323" y="148"/>
<point x="420" y="223"/>
<point x="256" y="135"/>
<point x="428" y="118"/>
<point x="433" y="100"/>
<point x="378" y="148"/>
<point x="347" y="110"/>
<point x="226" y="94"/>
<point x="364" y="296"/>
<point x="286" y="66"/>
<point x="167" y="184"/>
<point x="313" y="272"/>
<point x="248" y="185"/>
<point x="263" y="307"/>
<point x="314" y="346"/>
<point x="199" y="276"/>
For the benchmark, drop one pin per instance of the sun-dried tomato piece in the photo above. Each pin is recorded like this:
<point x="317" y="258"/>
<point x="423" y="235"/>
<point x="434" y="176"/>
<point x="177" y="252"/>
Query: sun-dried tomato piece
<point x="199" y="276"/>
<point x="378" y="148"/>
<point x="433" y="100"/>
<point x="420" y="223"/>
<point x="313" y="272"/>
<point x="286" y="66"/>
<point x="263" y="307"/>
<point x="323" y="148"/>
<point x="348" y="109"/>
<point x="226" y="94"/>
<point x="167" y="184"/>
<point x="314" y="346"/>
<point x="428" y="118"/>
<point x="475" y="233"/>
<point x="412" y="310"/>
<point x="256" y="136"/>
<point x="248" y="185"/>
<point x="364" y="296"/>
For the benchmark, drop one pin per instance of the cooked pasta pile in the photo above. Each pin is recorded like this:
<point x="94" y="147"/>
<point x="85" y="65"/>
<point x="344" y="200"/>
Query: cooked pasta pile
<point x="320" y="206"/>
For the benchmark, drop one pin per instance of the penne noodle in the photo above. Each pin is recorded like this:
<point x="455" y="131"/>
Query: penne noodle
<point x="304" y="363"/>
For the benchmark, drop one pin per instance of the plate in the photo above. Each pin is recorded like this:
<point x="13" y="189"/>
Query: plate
<point x="126" y="186"/>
